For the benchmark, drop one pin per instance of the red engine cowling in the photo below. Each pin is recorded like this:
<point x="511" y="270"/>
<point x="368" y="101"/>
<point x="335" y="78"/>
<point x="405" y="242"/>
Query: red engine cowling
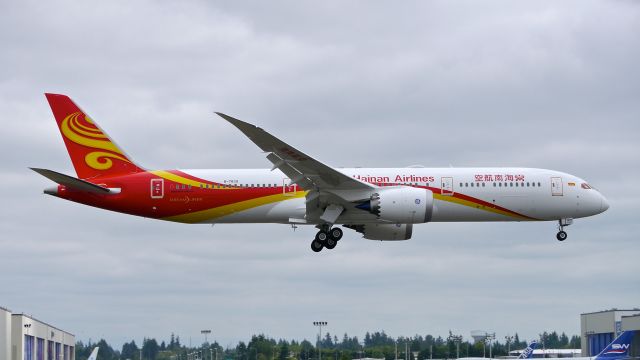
<point x="388" y="232"/>
<point x="402" y="205"/>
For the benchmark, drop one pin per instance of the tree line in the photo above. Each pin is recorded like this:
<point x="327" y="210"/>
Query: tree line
<point x="374" y="345"/>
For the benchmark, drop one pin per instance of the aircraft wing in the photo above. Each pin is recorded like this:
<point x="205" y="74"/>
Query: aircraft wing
<point x="302" y="169"/>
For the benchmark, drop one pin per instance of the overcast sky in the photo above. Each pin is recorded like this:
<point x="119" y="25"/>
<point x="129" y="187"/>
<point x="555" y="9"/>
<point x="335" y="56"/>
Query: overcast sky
<point x="353" y="83"/>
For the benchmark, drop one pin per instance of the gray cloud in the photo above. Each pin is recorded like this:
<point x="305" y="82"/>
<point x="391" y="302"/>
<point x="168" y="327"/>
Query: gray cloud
<point x="538" y="84"/>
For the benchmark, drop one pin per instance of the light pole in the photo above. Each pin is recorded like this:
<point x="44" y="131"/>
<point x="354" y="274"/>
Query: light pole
<point x="490" y="338"/>
<point x="396" y="350"/>
<point x="319" y="324"/>
<point x="457" y="339"/>
<point x="508" y="339"/>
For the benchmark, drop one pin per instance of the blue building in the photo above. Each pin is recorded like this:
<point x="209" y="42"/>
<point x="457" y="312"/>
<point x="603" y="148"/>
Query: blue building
<point x="598" y="329"/>
<point x="22" y="337"/>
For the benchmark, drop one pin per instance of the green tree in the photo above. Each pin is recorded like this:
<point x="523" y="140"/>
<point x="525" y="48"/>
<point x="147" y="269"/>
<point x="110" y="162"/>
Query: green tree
<point x="284" y="351"/>
<point x="106" y="352"/>
<point x="129" y="351"/>
<point x="150" y="349"/>
<point x="241" y="351"/>
<point x="575" y="343"/>
<point x="83" y="350"/>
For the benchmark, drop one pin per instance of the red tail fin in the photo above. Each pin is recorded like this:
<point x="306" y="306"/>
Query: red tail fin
<point x="92" y="152"/>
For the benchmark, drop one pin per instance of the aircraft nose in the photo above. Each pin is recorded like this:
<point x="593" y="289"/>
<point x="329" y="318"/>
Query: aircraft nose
<point x="604" y="204"/>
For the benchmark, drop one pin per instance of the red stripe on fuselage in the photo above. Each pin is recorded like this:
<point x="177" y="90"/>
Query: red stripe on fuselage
<point x="135" y="196"/>
<point x="481" y="202"/>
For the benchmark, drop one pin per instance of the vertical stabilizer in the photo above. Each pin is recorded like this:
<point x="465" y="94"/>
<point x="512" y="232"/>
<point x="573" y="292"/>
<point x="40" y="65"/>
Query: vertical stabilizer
<point x="528" y="352"/>
<point x="94" y="354"/>
<point x="619" y="348"/>
<point x="92" y="152"/>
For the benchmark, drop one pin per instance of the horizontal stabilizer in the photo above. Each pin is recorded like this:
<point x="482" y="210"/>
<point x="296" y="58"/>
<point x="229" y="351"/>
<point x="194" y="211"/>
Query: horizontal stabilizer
<point x="71" y="182"/>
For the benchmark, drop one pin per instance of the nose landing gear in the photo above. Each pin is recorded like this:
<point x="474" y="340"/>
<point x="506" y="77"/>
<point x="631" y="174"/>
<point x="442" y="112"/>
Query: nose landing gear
<point x="562" y="235"/>
<point x="327" y="237"/>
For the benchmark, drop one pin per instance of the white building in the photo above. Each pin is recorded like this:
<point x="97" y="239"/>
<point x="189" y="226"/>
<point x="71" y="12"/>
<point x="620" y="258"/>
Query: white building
<point x="598" y="329"/>
<point x="23" y="337"/>
<point x="5" y="333"/>
<point x="549" y="353"/>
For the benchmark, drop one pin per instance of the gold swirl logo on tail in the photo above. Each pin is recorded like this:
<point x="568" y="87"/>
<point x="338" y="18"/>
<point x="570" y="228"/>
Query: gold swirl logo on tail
<point x="81" y="130"/>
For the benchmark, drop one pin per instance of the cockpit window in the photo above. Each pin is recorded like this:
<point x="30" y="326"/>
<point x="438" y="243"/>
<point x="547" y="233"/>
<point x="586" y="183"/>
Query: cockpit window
<point x="585" y="186"/>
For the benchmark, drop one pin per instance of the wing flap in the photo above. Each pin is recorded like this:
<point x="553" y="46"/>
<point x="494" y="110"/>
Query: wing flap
<point x="292" y="173"/>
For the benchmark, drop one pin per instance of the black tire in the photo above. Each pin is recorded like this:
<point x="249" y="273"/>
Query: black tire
<point x="336" y="234"/>
<point x="330" y="243"/>
<point x="561" y="236"/>
<point x="316" y="246"/>
<point x="322" y="236"/>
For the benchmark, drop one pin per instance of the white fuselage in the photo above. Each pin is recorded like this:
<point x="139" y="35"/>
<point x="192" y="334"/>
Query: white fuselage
<point x="460" y="194"/>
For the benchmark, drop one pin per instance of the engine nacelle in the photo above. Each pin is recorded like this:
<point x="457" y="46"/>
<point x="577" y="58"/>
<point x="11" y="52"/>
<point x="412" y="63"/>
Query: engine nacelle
<point x="389" y="232"/>
<point x="404" y="205"/>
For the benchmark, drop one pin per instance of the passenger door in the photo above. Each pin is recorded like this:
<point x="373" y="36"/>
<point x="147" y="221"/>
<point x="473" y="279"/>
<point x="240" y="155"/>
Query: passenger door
<point x="556" y="186"/>
<point x="446" y="187"/>
<point x="157" y="188"/>
<point x="289" y="190"/>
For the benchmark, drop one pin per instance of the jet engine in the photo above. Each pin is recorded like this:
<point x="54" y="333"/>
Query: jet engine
<point x="389" y="232"/>
<point x="404" y="205"/>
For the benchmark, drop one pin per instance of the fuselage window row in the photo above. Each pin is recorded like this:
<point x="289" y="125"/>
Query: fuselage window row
<point x="221" y="186"/>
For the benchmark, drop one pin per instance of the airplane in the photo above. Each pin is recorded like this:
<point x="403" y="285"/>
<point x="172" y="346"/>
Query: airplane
<point x="528" y="352"/>
<point x="616" y="350"/>
<point x="379" y="203"/>
<point x="94" y="354"/>
<point x="525" y="354"/>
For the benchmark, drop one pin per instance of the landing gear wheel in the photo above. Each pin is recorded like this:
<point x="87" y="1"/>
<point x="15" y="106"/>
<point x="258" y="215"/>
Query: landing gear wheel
<point x="561" y="236"/>
<point x="321" y="236"/>
<point x="316" y="246"/>
<point x="330" y="243"/>
<point x="336" y="234"/>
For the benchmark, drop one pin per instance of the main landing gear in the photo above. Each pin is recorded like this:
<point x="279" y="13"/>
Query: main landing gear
<point x="327" y="237"/>
<point x="562" y="235"/>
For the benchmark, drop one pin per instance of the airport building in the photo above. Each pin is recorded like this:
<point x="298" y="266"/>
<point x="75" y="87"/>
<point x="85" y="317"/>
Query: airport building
<point x="598" y="329"/>
<point x="548" y="353"/>
<point x="23" y="337"/>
